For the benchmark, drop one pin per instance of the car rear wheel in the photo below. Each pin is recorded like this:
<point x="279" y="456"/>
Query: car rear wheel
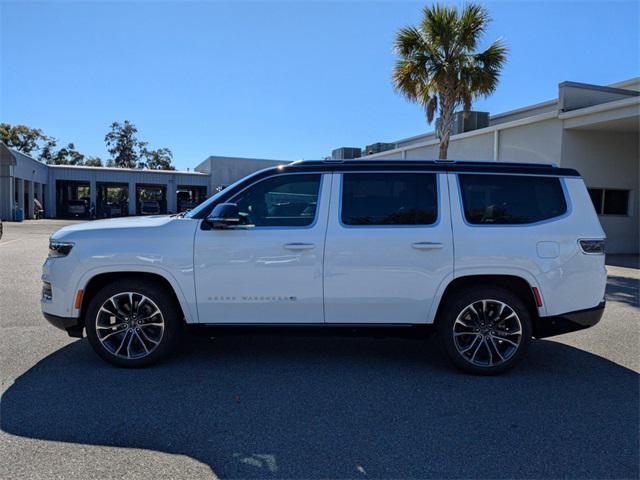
<point x="132" y="323"/>
<point x="486" y="331"/>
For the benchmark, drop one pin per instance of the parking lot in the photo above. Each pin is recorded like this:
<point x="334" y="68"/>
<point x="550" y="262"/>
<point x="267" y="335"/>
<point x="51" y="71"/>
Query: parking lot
<point x="311" y="407"/>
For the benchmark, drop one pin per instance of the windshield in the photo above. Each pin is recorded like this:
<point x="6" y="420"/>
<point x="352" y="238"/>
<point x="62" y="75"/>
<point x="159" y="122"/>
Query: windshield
<point x="203" y="206"/>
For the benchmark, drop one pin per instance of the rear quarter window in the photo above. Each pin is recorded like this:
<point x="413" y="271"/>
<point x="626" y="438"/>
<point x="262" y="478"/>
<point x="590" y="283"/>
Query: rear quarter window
<point x="379" y="199"/>
<point x="511" y="199"/>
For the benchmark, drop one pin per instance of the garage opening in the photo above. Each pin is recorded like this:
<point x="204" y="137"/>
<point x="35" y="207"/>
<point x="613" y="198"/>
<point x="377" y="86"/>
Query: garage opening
<point x="151" y="199"/>
<point x="188" y="196"/>
<point x="112" y="200"/>
<point x="73" y="199"/>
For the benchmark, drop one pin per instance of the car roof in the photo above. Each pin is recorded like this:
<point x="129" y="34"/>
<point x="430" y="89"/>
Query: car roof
<point x="431" y="166"/>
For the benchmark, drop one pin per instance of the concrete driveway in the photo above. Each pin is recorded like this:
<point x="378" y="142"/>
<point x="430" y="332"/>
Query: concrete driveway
<point x="310" y="407"/>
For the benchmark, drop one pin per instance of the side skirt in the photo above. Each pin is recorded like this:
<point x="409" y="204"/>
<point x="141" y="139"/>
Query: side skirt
<point x="308" y="330"/>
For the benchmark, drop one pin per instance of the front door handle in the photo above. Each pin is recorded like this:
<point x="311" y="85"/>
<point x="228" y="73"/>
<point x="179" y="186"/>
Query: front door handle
<point x="299" y="246"/>
<point x="427" y="245"/>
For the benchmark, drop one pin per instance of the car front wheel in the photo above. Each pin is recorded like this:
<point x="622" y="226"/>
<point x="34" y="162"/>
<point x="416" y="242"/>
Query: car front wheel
<point x="486" y="330"/>
<point x="132" y="323"/>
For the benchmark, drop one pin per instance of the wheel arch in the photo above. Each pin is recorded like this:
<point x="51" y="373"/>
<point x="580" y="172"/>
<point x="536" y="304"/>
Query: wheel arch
<point x="514" y="283"/>
<point x="95" y="282"/>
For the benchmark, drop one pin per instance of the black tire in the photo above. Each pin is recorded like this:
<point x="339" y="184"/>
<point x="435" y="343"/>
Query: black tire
<point x="493" y="348"/>
<point x="160" y="297"/>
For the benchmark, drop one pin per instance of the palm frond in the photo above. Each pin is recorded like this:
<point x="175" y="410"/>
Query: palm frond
<point x="472" y="24"/>
<point x="408" y="40"/>
<point x="438" y="66"/>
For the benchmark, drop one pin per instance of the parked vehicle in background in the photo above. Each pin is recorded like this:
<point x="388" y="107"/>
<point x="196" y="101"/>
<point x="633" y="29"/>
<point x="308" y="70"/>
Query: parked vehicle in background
<point x="114" y="209"/>
<point x="77" y="208"/>
<point x="150" y="207"/>
<point x="486" y="254"/>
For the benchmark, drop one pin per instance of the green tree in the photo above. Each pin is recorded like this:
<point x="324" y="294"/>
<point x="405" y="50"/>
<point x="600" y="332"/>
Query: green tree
<point x="48" y="150"/>
<point x="22" y="138"/>
<point x="159" y="159"/>
<point x="439" y="68"/>
<point x="123" y="145"/>
<point x="67" y="156"/>
<point x="93" y="161"/>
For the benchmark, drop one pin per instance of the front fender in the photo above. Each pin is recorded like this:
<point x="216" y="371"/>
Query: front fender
<point x="185" y="299"/>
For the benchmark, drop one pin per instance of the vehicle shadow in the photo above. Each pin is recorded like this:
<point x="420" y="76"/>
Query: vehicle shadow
<point x="623" y="289"/>
<point x="281" y="407"/>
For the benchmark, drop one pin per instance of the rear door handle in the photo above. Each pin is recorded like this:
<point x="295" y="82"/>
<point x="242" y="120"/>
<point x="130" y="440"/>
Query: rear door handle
<point x="299" y="246"/>
<point x="427" y="245"/>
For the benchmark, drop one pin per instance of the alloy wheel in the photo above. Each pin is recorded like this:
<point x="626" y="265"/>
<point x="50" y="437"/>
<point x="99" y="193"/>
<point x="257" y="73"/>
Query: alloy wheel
<point x="129" y="325"/>
<point x="487" y="333"/>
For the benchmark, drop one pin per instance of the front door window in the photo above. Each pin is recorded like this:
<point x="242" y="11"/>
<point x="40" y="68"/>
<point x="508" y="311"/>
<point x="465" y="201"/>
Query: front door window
<point x="281" y="201"/>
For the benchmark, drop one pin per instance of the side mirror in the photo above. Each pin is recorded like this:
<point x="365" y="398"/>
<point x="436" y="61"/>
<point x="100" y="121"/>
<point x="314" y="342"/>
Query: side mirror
<point x="224" y="215"/>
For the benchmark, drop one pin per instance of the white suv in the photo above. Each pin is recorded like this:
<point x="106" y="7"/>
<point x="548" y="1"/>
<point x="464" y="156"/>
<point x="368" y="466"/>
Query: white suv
<point x="487" y="254"/>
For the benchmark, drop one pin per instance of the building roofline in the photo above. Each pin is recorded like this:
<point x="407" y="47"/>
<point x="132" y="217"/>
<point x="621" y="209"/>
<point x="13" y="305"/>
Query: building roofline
<point x="133" y="170"/>
<point x="13" y="152"/>
<point x="600" y="107"/>
<point x="600" y="88"/>
<point x="247" y="158"/>
<point x="480" y="131"/>
<point x="535" y="106"/>
<point x="625" y="83"/>
<point x="617" y="87"/>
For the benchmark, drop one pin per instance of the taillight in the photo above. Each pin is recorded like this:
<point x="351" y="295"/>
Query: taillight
<point x="592" y="247"/>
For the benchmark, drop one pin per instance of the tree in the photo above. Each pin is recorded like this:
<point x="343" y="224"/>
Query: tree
<point x="93" y="161"/>
<point x="438" y="66"/>
<point x="123" y="145"/>
<point x="21" y="138"/>
<point x="129" y="152"/>
<point x="47" y="151"/>
<point x="159" y="159"/>
<point x="67" y="156"/>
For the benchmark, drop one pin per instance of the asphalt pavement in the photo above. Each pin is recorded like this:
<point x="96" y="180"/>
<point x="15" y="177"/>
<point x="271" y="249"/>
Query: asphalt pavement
<point x="287" y="407"/>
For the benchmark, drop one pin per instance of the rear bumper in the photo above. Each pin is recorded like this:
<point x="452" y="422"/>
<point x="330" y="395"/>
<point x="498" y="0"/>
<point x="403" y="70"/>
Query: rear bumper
<point x="568" y="322"/>
<point x="73" y="326"/>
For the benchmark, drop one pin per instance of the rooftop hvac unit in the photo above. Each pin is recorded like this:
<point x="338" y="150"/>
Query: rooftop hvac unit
<point x="378" y="147"/>
<point x="345" y="153"/>
<point x="474" y="121"/>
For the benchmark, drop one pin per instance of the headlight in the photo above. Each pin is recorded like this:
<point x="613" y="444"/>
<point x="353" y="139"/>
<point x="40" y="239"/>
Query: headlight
<point x="59" y="249"/>
<point x="47" y="291"/>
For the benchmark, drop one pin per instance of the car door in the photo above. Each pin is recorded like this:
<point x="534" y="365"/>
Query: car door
<point x="269" y="270"/>
<point x="389" y="248"/>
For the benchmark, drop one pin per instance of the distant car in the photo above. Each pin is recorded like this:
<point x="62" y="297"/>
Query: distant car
<point x="186" y="206"/>
<point x="77" y="208"/>
<point x="149" y="207"/>
<point x="114" y="209"/>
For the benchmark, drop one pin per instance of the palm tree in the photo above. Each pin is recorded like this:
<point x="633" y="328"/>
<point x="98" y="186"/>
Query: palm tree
<point x="439" y="68"/>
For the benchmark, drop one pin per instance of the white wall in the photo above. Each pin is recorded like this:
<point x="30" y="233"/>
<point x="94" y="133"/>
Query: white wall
<point x="226" y="170"/>
<point x="609" y="159"/>
<point x="423" y="153"/>
<point x="477" y="147"/>
<point x="538" y="142"/>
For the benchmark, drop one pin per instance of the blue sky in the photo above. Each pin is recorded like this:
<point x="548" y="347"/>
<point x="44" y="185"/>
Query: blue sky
<point x="283" y="80"/>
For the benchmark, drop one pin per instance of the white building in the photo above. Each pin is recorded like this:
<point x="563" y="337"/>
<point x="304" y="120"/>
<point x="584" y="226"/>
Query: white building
<point x="76" y="192"/>
<point x="591" y="128"/>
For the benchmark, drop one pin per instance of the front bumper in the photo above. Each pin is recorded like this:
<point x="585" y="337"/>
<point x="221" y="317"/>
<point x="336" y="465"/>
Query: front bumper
<point x="568" y="322"/>
<point x="73" y="326"/>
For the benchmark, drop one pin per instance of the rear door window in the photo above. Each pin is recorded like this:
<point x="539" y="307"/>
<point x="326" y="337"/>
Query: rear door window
<point x="370" y="199"/>
<point x="511" y="199"/>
